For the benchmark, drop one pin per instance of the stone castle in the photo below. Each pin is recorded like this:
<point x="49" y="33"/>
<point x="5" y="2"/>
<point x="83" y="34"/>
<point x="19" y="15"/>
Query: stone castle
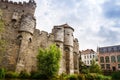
<point x="23" y="39"/>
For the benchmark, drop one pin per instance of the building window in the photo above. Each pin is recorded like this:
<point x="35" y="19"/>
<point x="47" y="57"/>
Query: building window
<point x="102" y="66"/>
<point x="93" y="56"/>
<point x="115" y="49"/>
<point x="30" y="40"/>
<point x="118" y="58"/>
<point x="108" y="66"/>
<point x="90" y="61"/>
<point x="85" y="57"/>
<point x="118" y="65"/>
<point x="112" y="49"/>
<point x="101" y="59"/>
<point x="107" y="59"/>
<point x="113" y="59"/>
<point x="87" y="62"/>
<point x="90" y="56"/>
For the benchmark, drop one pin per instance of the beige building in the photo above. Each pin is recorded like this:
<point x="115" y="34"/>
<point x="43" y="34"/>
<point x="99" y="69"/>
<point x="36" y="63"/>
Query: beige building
<point x="109" y="57"/>
<point x="88" y="55"/>
<point x="24" y="40"/>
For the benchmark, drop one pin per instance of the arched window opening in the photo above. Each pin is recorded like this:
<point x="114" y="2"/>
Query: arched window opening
<point x="30" y="40"/>
<point x="107" y="59"/>
<point x="118" y="58"/>
<point x="113" y="59"/>
<point x="101" y="59"/>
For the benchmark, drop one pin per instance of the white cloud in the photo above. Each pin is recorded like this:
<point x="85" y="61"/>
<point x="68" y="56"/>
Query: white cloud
<point x="86" y="17"/>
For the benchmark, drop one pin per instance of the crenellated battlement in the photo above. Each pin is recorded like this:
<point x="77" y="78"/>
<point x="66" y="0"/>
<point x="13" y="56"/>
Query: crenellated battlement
<point x="31" y="3"/>
<point x="21" y="7"/>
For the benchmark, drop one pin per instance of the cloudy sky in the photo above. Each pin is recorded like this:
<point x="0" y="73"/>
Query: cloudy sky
<point x="96" y="22"/>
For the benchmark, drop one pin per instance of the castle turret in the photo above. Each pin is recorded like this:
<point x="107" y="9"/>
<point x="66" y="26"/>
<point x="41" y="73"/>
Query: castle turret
<point x="68" y="48"/>
<point x="58" y="32"/>
<point x="26" y="31"/>
<point x="68" y="35"/>
<point x="76" y="54"/>
<point x="27" y="24"/>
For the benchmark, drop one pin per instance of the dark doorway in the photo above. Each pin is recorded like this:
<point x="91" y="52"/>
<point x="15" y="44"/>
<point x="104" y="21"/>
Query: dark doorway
<point x="114" y="68"/>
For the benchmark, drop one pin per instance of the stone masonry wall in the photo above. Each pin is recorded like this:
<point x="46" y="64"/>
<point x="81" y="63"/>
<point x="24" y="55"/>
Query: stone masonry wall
<point x="24" y="40"/>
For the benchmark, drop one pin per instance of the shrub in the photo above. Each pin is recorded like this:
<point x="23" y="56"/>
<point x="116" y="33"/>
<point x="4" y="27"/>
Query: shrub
<point x="99" y="77"/>
<point x="94" y="76"/>
<point x="62" y="76"/>
<point x="48" y="61"/>
<point x="83" y="68"/>
<point x="72" y="77"/>
<point x="95" y="68"/>
<point x="24" y="75"/>
<point x="107" y="78"/>
<point x="2" y="73"/>
<point x="35" y="75"/>
<point x="89" y="77"/>
<point x="11" y="74"/>
<point x="116" y="75"/>
<point x="81" y="77"/>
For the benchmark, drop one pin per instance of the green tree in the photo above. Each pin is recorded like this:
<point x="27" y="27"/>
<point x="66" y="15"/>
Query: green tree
<point x="2" y="73"/>
<point x="1" y="22"/>
<point x="83" y="68"/>
<point x="48" y="61"/>
<point x="95" y="68"/>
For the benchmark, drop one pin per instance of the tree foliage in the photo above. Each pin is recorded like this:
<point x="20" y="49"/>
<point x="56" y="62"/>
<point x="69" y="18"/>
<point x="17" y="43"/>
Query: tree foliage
<point x="1" y="22"/>
<point x="48" y="61"/>
<point x="95" y="68"/>
<point x="2" y="73"/>
<point x="2" y="42"/>
<point x="83" y="68"/>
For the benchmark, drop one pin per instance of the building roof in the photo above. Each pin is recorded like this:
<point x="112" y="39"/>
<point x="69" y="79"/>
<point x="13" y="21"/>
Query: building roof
<point x="88" y="51"/>
<point x="64" y="26"/>
<point x="115" y="48"/>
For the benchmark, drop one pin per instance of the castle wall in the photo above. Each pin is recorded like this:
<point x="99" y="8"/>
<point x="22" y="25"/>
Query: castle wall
<point x="24" y="40"/>
<point x="41" y="39"/>
<point x="9" y="56"/>
<point x="12" y="14"/>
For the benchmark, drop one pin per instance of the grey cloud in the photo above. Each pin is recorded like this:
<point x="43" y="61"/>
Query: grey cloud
<point x="111" y="9"/>
<point x="110" y="36"/>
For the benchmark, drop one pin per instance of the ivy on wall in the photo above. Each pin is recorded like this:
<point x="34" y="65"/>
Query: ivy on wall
<point x="2" y="42"/>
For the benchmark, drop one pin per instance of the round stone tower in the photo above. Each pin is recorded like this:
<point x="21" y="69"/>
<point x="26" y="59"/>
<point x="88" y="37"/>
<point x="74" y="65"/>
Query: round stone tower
<point x="26" y="30"/>
<point x="27" y="24"/>
<point x="68" y="48"/>
<point x="58" y="32"/>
